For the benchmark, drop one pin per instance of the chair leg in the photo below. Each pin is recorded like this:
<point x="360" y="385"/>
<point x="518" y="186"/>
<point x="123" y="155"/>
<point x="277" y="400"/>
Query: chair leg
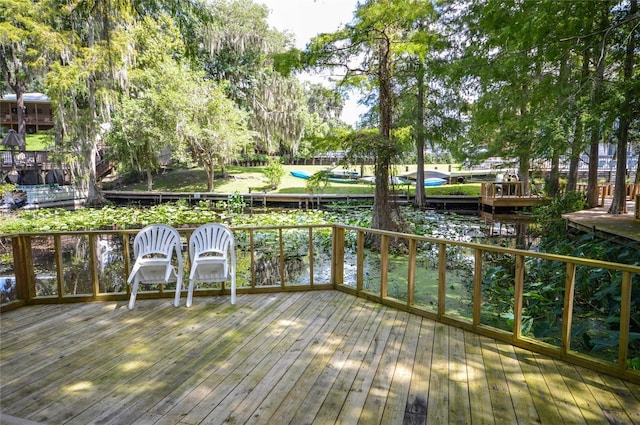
<point x="190" y="293"/>
<point x="176" y="302"/>
<point x="233" y="289"/>
<point x="134" y="291"/>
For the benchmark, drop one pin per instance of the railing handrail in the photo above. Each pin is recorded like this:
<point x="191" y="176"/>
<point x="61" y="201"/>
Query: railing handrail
<point x="545" y="256"/>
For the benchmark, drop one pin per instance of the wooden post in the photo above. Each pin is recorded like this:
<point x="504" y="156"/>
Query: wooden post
<point x="442" y="278"/>
<point x="384" y="265"/>
<point x="477" y="288"/>
<point x="517" y="298"/>
<point x="311" y="256"/>
<point x="411" y="278"/>
<point x="280" y="238"/>
<point x="625" y="320"/>
<point x="337" y="272"/>
<point x="567" y="315"/>
<point x="360" y="262"/>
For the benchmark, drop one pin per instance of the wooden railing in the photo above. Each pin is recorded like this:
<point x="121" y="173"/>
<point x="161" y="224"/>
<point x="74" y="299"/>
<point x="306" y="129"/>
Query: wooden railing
<point x="499" y="292"/>
<point x="514" y="189"/>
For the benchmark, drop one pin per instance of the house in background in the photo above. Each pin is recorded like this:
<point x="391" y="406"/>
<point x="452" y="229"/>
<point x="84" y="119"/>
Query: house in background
<point x="38" y="112"/>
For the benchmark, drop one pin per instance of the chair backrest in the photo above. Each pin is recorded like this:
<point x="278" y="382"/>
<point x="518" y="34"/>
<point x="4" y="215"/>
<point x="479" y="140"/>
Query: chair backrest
<point x="157" y="239"/>
<point x="211" y="238"/>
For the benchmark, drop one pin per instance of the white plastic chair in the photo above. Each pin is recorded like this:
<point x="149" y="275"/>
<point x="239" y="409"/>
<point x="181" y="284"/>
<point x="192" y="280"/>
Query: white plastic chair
<point x="153" y="248"/>
<point x="212" y="253"/>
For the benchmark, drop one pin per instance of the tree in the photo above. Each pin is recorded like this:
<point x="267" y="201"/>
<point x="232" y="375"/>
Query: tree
<point x="27" y="45"/>
<point x="629" y="107"/>
<point x="213" y="127"/>
<point x="86" y="81"/>
<point x="366" y="50"/>
<point x="239" y="48"/>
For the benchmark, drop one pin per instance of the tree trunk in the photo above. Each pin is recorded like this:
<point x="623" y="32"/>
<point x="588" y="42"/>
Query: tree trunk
<point x="420" y="197"/>
<point x="618" y="205"/>
<point x="554" y="177"/>
<point x="382" y="209"/>
<point x="578" y="133"/>
<point x="576" y="150"/>
<point x="592" y="184"/>
<point x="94" y="194"/>
<point x="210" y="176"/>
<point x="149" y="179"/>
<point x="523" y="171"/>
<point x="19" y="89"/>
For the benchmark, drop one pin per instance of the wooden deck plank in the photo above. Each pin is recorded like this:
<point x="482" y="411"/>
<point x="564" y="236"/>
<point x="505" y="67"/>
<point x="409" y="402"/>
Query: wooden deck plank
<point x="416" y="406"/>
<point x="378" y="392"/>
<point x="585" y="400"/>
<point x="320" y="357"/>
<point x="399" y="391"/>
<point x="193" y="390"/>
<point x="319" y="377"/>
<point x="108" y="393"/>
<point x="560" y="394"/>
<point x="237" y="374"/>
<point x="351" y="408"/>
<point x="459" y="402"/>
<point x="521" y="397"/>
<point x="501" y="402"/>
<point x="538" y="388"/>
<point x="195" y="359"/>
<point x="334" y="402"/>
<point x="297" y="334"/>
<point x="479" y="397"/>
<point x="73" y="358"/>
<point x="270" y="392"/>
<point x="438" y="406"/>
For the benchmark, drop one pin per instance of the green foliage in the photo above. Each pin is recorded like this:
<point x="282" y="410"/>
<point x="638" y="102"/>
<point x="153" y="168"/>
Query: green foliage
<point x="549" y="216"/>
<point x="274" y="172"/>
<point x="236" y="203"/>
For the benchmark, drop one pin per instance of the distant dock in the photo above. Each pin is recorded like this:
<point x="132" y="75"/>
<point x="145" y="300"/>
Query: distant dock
<point x="598" y="221"/>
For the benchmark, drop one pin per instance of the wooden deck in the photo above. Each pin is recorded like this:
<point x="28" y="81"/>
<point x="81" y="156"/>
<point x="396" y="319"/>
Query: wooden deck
<point x="320" y="357"/>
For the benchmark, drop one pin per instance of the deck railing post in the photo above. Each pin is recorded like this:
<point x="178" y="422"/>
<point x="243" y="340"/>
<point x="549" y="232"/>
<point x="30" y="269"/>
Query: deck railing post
<point x="337" y="269"/>
<point x="567" y="313"/>
<point x="360" y="261"/>
<point x="477" y="287"/>
<point x="517" y="298"/>
<point x="384" y="265"/>
<point x="442" y="278"/>
<point x="411" y="278"/>
<point x="23" y="268"/>
<point x="625" y="320"/>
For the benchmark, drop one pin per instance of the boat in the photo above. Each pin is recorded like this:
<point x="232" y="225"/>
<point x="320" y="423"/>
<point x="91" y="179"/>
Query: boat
<point x="428" y="174"/>
<point x="300" y="174"/>
<point x="392" y="180"/>
<point x="434" y="181"/>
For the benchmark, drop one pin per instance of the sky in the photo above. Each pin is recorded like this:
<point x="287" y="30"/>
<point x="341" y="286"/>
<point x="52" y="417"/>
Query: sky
<point x="308" y="18"/>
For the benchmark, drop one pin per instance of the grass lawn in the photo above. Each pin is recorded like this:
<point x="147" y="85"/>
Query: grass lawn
<point x="38" y="142"/>
<point x="240" y="179"/>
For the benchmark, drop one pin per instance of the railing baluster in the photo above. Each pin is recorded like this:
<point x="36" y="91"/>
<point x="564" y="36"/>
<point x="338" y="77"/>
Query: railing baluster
<point x="281" y="265"/>
<point x="57" y="243"/>
<point x="567" y="313"/>
<point x="477" y="287"/>
<point x="411" y="278"/>
<point x="384" y="265"/>
<point x="442" y="278"/>
<point x="360" y="261"/>
<point x="625" y="320"/>
<point x="517" y="297"/>
<point x="311" y="256"/>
